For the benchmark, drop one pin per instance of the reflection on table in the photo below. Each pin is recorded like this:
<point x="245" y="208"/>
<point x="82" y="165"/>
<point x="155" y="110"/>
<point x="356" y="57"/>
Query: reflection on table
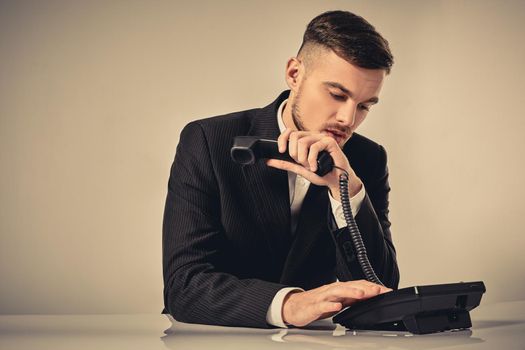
<point x="495" y="326"/>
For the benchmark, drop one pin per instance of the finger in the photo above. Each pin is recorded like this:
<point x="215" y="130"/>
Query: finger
<point x="331" y="143"/>
<point x="345" y="291"/>
<point x="345" y="301"/>
<point x="374" y="286"/>
<point x="292" y="144"/>
<point x="329" y="306"/>
<point x="315" y="149"/>
<point x="296" y="168"/>
<point x="303" y="149"/>
<point x="382" y="289"/>
<point x="370" y="289"/>
<point x="385" y="289"/>
<point x="288" y="166"/>
<point x="357" y="290"/>
<point x="282" y="140"/>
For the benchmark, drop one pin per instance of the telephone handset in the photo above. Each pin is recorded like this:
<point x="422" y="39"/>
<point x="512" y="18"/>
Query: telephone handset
<point x="420" y="309"/>
<point x="248" y="149"/>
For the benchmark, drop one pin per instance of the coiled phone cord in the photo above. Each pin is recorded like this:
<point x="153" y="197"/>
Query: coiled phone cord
<point x="355" y="235"/>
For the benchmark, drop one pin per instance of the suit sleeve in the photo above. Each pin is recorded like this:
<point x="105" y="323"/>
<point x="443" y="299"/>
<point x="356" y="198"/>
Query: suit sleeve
<point x="374" y="225"/>
<point x="196" y="288"/>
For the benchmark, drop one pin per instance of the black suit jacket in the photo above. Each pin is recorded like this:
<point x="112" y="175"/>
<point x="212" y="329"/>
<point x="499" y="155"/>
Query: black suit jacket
<point x="227" y="246"/>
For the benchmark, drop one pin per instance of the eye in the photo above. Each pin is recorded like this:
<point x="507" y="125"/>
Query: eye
<point x="338" y="97"/>
<point x="364" y="108"/>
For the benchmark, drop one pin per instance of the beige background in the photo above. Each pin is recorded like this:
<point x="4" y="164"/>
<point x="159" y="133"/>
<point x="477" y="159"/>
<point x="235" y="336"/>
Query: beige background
<point x="93" y="95"/>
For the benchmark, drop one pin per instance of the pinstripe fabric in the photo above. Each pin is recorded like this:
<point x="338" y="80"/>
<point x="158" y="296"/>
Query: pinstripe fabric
<point x="227" y="247"/>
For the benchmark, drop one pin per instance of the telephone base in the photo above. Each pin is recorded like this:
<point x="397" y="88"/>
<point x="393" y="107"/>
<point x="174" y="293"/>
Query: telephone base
<point x="418" y="310"/>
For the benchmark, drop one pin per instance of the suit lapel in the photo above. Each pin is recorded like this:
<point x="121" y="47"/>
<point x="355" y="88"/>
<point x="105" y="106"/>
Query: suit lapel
<point x="312" y="223"/>
<point x="268" y="187"/>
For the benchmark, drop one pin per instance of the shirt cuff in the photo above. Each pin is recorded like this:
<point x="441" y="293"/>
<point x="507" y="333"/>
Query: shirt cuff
<point x="337" y="207"/>
<point x="274" y="314"/>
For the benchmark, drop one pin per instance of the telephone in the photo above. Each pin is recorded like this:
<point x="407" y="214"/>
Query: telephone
<point x="419" y="309"/>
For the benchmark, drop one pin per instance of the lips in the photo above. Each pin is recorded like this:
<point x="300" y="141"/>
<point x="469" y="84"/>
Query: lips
<point x="339" y="136"/>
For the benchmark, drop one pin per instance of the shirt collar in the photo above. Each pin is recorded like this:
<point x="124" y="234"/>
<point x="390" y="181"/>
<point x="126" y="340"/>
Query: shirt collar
<point x="280" y="121"/>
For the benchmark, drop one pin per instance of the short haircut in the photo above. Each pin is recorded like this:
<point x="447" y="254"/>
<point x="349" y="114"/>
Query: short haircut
<point x="351" y="37"/>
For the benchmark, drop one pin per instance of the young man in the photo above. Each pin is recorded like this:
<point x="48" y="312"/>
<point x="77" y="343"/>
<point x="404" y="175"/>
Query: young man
<point x="264" y="245"/>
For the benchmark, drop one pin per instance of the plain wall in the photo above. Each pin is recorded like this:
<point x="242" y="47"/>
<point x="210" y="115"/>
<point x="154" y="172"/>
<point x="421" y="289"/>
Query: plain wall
<point x="93" y="95"/>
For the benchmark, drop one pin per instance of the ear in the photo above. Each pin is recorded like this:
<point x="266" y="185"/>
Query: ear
<point x="294" y="73"/>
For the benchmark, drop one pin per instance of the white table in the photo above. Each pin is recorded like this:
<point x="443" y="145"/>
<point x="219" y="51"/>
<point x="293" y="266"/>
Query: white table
<point x="499" y="326"/>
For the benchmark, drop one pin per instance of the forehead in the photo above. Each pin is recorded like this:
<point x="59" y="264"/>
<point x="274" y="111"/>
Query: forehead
<point x="331" y="67"/>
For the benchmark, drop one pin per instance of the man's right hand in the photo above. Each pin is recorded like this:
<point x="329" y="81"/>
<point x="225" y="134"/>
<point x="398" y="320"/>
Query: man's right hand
<point x="302" y="308"/>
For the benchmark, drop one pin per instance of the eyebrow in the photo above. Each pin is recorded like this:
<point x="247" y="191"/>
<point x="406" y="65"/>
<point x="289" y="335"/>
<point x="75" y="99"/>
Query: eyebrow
<point x="348" y="92"/>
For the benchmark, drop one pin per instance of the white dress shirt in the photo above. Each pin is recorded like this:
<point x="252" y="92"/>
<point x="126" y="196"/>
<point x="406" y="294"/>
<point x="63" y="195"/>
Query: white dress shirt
<point x="298" y="186"/>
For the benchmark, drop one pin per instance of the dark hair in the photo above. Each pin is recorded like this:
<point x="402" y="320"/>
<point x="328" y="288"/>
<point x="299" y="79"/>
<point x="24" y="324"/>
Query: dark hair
<point x="351" y="37"/>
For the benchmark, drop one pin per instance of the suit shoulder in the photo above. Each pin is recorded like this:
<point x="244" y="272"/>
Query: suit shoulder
<point x="218" y="131"/>
<point x="363" y="143"/>
<point x="367" y="157"/>
<point x="229" y="120"/>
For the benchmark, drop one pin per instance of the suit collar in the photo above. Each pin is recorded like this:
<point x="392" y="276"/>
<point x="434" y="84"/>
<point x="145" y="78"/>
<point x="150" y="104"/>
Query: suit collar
<point x="264" y="123"/>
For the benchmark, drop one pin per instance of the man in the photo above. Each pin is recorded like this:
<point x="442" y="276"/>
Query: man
<point x="264" y="245"/>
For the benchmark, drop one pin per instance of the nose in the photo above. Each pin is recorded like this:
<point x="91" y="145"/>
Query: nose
<point x="346" y="114"/>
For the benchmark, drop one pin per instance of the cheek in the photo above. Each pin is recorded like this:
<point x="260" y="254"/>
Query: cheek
<point x="359" y="119"/>
<point x="317" y="110"/>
